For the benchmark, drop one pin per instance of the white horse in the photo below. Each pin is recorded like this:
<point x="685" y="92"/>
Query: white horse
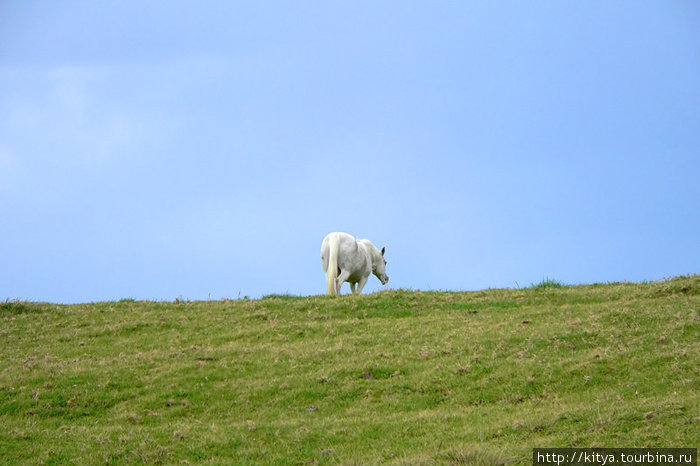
<point x="346" y="259"/>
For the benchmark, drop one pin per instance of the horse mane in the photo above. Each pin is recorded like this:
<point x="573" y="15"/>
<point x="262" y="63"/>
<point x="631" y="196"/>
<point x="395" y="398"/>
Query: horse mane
<point x="374" y="253"/>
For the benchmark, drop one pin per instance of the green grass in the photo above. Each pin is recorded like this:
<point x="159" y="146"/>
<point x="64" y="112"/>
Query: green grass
<point x="549" y="283"/>
<point x="397" y="377"/>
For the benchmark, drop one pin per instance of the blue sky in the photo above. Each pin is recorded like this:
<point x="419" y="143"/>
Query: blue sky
<point x="152" y="150"/>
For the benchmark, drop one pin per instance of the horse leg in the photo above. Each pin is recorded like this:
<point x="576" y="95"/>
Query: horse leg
<point x="344" y="275"/>
<point x="361" y="284"/>
<point x="352" y="287"/>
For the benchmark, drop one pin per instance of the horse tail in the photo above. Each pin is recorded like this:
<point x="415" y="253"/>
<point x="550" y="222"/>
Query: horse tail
<point x="332" y="272"/>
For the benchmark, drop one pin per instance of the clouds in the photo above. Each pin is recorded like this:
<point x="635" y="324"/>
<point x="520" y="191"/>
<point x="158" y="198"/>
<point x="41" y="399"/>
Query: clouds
<point x="55" y="123"/>
<point x="95" y="120"/>
<point x="83" y="119"/>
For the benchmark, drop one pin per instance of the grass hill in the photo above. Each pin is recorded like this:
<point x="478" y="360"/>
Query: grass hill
<point x="398" y="377"/>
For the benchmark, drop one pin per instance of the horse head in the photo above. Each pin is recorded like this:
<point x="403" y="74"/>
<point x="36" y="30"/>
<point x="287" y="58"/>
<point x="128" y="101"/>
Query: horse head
<point x="379" y="269"/>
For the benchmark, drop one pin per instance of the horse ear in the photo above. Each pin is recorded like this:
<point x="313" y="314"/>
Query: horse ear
<point x="383" y="249"/>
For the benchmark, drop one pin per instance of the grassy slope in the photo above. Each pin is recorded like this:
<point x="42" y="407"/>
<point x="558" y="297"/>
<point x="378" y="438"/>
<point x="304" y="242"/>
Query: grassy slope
<point x="397" y="376"/>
